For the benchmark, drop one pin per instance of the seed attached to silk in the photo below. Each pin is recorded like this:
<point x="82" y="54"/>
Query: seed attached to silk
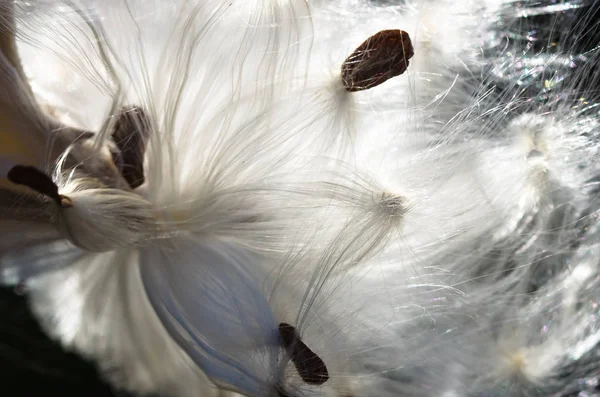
<point x="309" y="365"/>
<point x="381" y="57"/>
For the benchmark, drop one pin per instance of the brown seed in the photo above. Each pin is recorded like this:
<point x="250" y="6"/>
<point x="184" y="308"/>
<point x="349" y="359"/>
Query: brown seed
<point x="381" y="57"/>
<point x="65" y="202"/>
<point x="38" y="181"/>
<point x="309" y="365"/>
<point x="130" y="133"/>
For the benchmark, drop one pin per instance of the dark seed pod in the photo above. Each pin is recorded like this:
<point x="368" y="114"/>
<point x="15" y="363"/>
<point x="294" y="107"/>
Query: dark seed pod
<point x="130" y="134"/>
<point x="381" y="57"/>
<point x="38" y="181"/>
<point x="309" y="365"/>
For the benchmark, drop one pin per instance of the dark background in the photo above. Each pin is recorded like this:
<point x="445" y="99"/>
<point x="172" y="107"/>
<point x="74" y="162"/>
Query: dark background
<point x="32" y="365"/>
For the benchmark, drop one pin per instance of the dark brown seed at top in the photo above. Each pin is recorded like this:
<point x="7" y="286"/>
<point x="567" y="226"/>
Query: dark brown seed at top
<point x="381" y="57"/>
<point x="130" y="134"/>
<point x="309" y="365"/>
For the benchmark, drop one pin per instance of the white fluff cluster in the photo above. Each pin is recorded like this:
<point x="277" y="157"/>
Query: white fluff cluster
<point x="436" y="235"/>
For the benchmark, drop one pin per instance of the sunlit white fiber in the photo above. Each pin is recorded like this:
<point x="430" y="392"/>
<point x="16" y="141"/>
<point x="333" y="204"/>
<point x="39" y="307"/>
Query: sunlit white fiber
<point x="436" y="235"/>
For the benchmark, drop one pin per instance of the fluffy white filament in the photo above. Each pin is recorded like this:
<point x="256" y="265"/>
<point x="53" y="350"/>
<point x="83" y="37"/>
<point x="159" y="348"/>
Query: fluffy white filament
<point x="401" y="230"/>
